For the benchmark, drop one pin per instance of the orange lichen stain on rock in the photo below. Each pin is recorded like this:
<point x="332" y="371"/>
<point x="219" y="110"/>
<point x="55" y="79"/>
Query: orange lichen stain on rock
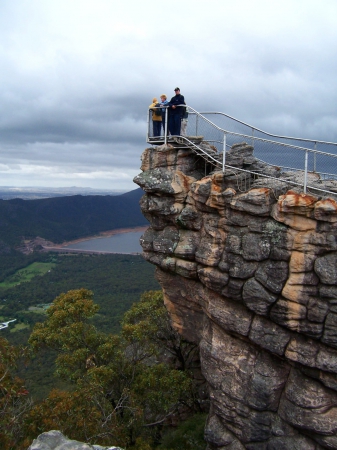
<point x="328" y="204"/>
<point x="187" y="181"/>
<point x="204" y="180"/>
<point x="294" y="200"/>
<point x="258" y="191"/>
<point x="217" y="191"/>
<point x="145" y="160"/>
<point x="181" y="182"/>
<point x="326" y="210"/>
<point x="297" y="262"/>
<point x="295" y="311"/>
<point x="255" y="195"/>
<point x="176" y="320"/>
<point x="217" y="183"/>
<point x="292" y="292"/>
<point x="297" y="222"/>
<point x="229" y="191"/>
<point x="216" y="188"/>
<point x="219" y="198"/>
<point x="261" y="190"/>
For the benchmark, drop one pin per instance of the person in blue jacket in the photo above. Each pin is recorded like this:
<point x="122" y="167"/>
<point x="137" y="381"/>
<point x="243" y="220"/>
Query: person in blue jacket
<point x="176" y="112"/>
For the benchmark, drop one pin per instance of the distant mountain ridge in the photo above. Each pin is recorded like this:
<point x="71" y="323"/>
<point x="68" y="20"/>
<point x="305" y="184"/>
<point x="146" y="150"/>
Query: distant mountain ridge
<point x="62" y="219"/>
<point x="35" y="193"/>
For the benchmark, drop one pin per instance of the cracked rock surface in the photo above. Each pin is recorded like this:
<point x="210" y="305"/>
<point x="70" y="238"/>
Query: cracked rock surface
<point x="248" y="267"/>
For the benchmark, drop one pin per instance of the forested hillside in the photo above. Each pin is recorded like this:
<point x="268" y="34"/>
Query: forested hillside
<point x="117" y="281"/>
<point x="65" y="218"/>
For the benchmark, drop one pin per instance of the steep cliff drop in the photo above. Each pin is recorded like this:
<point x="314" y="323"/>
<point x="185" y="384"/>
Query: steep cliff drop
<point x="248" y="266"/>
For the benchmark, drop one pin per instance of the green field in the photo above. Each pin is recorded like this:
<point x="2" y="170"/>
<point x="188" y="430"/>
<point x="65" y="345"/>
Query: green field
<point x="18" y="327"/>
<point x="39" y="309"/>
<point x="26" y="274"/>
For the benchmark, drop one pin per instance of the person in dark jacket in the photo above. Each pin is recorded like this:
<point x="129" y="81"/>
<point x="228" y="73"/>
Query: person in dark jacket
<point x="175" y="112"/>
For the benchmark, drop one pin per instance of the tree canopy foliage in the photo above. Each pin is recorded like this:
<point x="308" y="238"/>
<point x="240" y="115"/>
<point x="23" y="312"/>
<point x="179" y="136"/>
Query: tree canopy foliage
<point x="127" y="387"/>
<point x="14" y="400"/>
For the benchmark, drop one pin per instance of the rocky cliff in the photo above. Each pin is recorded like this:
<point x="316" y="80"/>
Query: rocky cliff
<point x="248" y="269"/>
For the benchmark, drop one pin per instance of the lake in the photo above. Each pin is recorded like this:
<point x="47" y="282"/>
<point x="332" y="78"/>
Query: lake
<point x="118" y="243"/>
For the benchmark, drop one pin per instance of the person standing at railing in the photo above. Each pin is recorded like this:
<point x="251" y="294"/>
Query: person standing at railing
<point x="156" y="116"/>
<point x="176" y="112"/>
<point x="163" y="102"/>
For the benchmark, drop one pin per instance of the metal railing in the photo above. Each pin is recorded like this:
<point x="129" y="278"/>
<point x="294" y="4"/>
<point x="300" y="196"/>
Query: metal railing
<point x="288" y="153"/>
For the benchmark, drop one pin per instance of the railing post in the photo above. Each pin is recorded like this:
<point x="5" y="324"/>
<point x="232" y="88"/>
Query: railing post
<point x="196" y="125"/>
<point x="315" y="159"/>
<point x="253" y="139"/>
<point x="148" y="125"/>
<point x="224" y="153"/>
<point x="305" y="172"/>
<point x="166" y="125"/>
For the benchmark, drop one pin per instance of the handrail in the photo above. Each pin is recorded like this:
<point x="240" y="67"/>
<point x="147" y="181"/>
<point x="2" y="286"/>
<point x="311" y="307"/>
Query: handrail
<point x="263" y="148"/>
<point x="192" y="144"/>
<point x="265" y="132"/>
<point x="193" y="111"/>
<point x="289" y="145"/>
<point x="201" y="114"/>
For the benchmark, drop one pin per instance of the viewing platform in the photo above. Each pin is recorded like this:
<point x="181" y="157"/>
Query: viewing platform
<point x="211" y="135"/>
<point x="174" y="140"/>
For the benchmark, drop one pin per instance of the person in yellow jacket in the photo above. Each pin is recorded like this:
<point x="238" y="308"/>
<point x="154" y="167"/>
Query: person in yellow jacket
<point x="156" y="116"/>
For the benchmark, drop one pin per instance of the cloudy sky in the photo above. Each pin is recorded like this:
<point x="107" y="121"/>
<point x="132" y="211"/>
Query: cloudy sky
<point x="77" y="77"/>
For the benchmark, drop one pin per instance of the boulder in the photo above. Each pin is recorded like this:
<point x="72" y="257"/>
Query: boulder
<point x="55" y="440"/>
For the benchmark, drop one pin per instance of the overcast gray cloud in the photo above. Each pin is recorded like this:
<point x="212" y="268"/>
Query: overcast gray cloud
<point x="78" y="75"/>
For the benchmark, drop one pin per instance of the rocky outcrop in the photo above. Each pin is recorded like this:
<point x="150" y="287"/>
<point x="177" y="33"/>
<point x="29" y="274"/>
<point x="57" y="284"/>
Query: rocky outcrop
<point x="55" y="440"/>
<point x="248" y="267"/>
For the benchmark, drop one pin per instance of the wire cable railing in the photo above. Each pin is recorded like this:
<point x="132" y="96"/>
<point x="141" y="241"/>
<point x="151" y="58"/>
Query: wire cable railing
<point x="222" y="131"/>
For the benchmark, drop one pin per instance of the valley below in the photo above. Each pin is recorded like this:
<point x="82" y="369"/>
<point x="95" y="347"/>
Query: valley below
<point x="41" y="244"/>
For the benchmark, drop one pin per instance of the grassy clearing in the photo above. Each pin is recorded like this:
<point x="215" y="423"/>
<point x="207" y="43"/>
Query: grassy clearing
<point x="18" y="327"/>
<point x="26" y="274"/>
<point x="38" y="309"/>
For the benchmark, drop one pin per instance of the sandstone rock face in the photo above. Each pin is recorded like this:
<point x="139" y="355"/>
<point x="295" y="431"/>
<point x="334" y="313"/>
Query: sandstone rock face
<point x="55" y="440"/>
<point x="248" y="267"/>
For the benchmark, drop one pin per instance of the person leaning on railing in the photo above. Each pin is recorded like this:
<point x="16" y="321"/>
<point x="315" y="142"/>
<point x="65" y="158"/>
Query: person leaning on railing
<point x="163" y="102"/>
<point x="175" y="112"/>
<point x="156" y="116"/>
